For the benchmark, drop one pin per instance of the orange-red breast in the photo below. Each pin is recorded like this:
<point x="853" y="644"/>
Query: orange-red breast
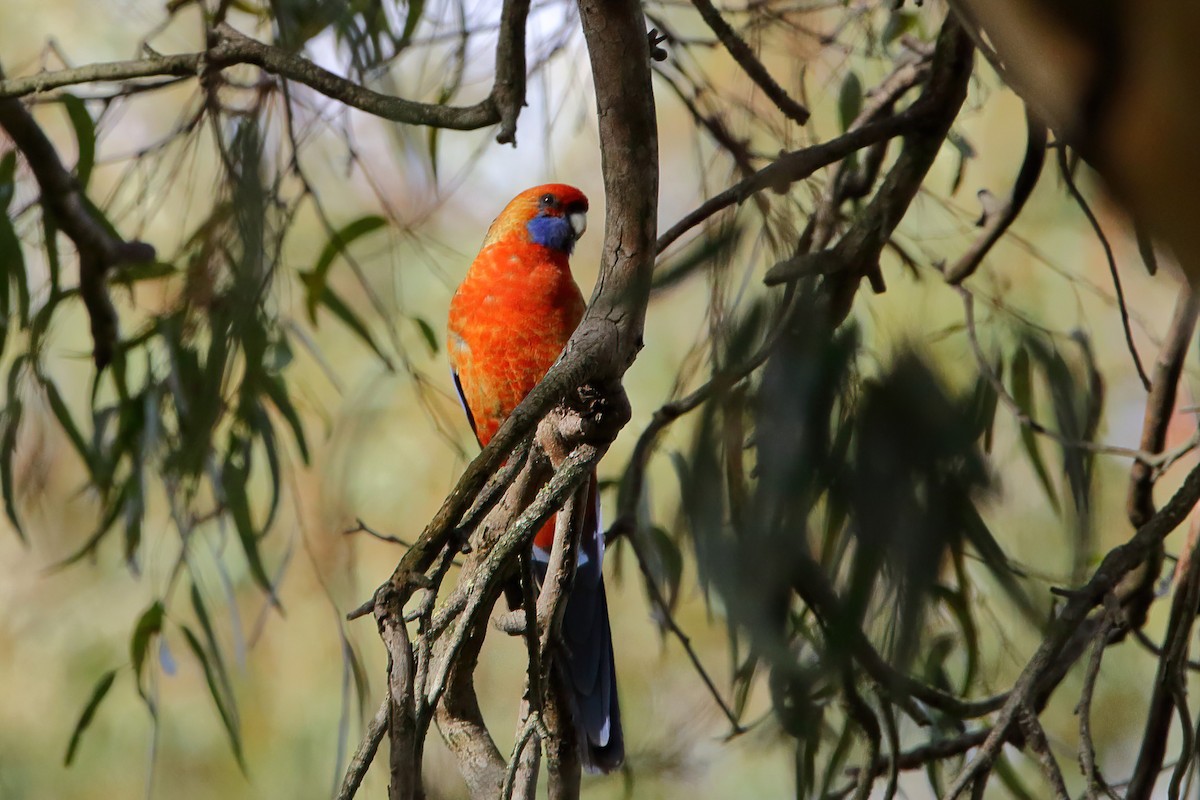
<point x="509" y="321"/>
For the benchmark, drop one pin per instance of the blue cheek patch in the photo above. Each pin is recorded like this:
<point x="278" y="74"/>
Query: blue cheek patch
<point x="552" y="232"/>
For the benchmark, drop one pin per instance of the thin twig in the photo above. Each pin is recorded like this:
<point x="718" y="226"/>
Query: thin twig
<point x="749" y="62"/>
<point x="365" y="753"/>
<point x="1078" y="197"/>
<point x="667" y="619"/>
<point x="362" y="527"/>
<point x="1035" y="737"/>
<point x="1087" y="746"/>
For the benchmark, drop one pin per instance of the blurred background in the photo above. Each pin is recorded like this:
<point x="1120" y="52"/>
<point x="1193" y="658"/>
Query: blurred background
<point x="386" y="433"/>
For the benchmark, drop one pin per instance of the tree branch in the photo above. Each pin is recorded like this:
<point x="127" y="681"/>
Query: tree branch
<point x="999" y="221"/>
<point x="749" y="63"/>
<point x="100" y="248"/>
<point x="1052" y="659"/>
<point x="365" y="754"/>
<point x="228" y="47"/>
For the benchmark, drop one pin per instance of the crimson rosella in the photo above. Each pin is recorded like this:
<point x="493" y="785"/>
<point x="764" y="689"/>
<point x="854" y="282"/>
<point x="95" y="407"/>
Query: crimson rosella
<point x="509" y="322"/>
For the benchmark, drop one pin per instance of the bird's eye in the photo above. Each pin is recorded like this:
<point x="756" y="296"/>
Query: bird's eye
<point x="547" y="200"/>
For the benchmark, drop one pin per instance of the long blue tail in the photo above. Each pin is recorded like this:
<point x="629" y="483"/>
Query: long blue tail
<point x="589" y="668"/>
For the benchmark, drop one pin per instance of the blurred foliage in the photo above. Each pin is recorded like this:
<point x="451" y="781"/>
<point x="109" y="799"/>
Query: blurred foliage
<point x="853" y="485"/>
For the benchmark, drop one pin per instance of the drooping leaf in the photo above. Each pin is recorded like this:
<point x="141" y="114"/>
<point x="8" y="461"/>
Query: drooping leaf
<point x="956" y="602"/>
<point x="12" y="273"/>
<point x="1145" y="244"/>
<point x="8" y="169"/>
<point x="428" y="334"/>
<point x="898" y="24"/>
<point x="850" y="99"/>
<point x="63" y="415"/>
<point x="966" y="151"/>
<point x="1012" y="779"/>
<point x="148" y="626"/>
<point x="213" y="649"/>
<point x="316" y="279"/>
<point x="99" y="692"/>
<point x="664" y="564"/>
<point x="234" y="479"/>
<point x="260" y="424"/>
<point x="277" y="392"/>
<point x="224" y="705"/>
<point x="113" y="510"/>
<point x="330" y="299"/>
<point x="415" y="9"/>
<point x="1022" y="390"/>
<point x="85" y="138"/>
<point x="50" y="237"/>
<point x="8" y="441"/>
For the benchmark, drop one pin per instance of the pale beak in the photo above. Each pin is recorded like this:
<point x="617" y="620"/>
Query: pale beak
<point x="578" y="220"/>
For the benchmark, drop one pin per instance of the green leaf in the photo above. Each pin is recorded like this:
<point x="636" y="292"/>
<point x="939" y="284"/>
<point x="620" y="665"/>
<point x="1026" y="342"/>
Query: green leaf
<point x="665" y="566"/>
<point x="224" y="707"/>
<point x="1012" y="779"/>
<point x="63" y="414"/>
<point x="8" y="171"/>
<point x="431" y="143"/>
<point x="1022" y="389"/>
<point x="8" y="447"/>
<point x="260" y="424"/>
<point x="1145" y="244"/>
<point x="277" y="392"/>
<point x="8" y="442"/>
<point x="211" y="639"/>
<point x="415" y="9"/>
<point x="214" y="649"/>
<point x="12" y="272"/>
<point x="427" y="332"/>
<point x="89" y="712"/>
<point x="111" y="513"/>
<point x="50" y="235"/>
<point x="234" y="476"/>
<point x="148" y="626"/>
<point x="966" y="152"/>
<point x="334" y="303"/>
<point x="850" y="98"/>
<point x="898" y="24"/>
<point x="959" y="606"/>
<point x="85" y="137"/>
<point x="316" y="279"/>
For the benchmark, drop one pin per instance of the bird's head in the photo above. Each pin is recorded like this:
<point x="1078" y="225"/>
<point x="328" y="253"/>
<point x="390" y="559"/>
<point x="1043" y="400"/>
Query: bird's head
<point x="553" y="215"/>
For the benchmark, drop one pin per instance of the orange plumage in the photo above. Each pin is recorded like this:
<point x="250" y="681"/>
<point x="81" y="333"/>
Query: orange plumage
<point x="509" y="321"/>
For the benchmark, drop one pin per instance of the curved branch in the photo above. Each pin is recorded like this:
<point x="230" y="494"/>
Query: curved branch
<point x="794" y="166"/>
<point x="228" y="47"/>
<point x="1077" y="196"/>
<point x="749" y="63"/>
<point x="100" y="247"/>
<point x="999" y="222"/>
<point x="1160" y="404"/>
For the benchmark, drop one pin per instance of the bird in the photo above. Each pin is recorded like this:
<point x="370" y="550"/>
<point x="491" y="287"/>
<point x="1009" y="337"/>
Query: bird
<point x="509" y="321"/>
